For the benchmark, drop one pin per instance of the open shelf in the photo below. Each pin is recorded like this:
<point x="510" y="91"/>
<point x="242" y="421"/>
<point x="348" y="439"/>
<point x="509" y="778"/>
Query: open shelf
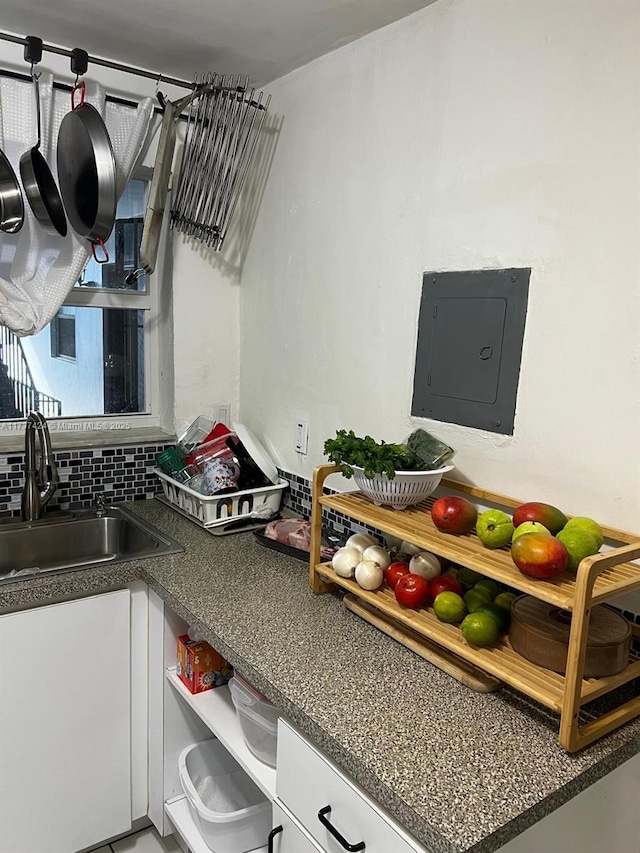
<point x="500" y="660"/>
<point x="415" y="525"/>
<point x="598" y="578"/>
<point x="217" y="711"/>
<point x="180" y="816"/>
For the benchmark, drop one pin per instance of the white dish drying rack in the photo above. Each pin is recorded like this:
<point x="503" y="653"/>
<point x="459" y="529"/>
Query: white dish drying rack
<point x="215" y="513"/>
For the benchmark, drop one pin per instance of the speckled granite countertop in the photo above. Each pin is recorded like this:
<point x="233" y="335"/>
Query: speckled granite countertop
<point x="461" y="771"/>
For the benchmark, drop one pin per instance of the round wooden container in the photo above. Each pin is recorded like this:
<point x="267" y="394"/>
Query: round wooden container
<point x="540" y="633"/>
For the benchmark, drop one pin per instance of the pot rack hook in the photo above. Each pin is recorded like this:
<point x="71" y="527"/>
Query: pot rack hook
<point x="79" y="63"/>
<point x="33" y="52"/>
<point x="160" y="97"/>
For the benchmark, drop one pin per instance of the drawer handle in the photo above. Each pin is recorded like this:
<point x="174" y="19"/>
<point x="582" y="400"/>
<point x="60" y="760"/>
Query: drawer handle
<point x="352" y="848"/>
<point x="275" y="831"/>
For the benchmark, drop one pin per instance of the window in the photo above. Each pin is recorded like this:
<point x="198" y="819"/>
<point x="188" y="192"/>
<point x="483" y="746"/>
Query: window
<point x="63" y="334"/>
<point x="99" y="355"/>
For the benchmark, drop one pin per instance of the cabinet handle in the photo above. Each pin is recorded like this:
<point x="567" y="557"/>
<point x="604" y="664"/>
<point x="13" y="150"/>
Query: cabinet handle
<point x="352" y="848"/>
<point x="275" y="831"/>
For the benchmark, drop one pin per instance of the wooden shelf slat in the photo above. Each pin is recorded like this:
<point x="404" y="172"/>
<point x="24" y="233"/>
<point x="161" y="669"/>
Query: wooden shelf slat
<point x="500" y="661"/>
<point x="415" y="525"/>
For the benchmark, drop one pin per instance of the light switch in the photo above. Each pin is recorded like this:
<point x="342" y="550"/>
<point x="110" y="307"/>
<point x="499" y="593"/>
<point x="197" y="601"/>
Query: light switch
<point x="302" y="437"/>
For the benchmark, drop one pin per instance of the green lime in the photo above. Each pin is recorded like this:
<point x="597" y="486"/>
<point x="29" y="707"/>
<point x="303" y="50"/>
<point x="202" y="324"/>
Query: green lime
<point x="480" y="629"/>
<point x="505" y="599"/>
<point x="490" y="586"/>
<point x="467" y="577"/>
<point x="500" y="614"/>
<point x="474" y="598"/>
<point x="587" y="524"/>
<point x="449" y="607"/>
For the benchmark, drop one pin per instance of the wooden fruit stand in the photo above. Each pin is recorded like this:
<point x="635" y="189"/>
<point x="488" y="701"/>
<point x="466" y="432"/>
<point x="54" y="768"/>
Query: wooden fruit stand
<point x="598" y="579"/>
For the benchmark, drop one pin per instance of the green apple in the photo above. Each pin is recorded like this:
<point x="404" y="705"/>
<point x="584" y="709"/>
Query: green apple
<point x="529" y="527"/>
<point x="494" y="528"/>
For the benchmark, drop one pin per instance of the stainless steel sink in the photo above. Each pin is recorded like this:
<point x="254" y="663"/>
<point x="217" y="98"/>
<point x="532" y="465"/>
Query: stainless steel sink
<point x="77" y="540"/>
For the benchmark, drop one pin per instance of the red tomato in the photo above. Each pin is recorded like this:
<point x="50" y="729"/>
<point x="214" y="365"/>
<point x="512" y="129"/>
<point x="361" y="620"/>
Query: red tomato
<point x="395" y="572"/>
<point x="445" y="583"/>
<point x="412" y="591"/>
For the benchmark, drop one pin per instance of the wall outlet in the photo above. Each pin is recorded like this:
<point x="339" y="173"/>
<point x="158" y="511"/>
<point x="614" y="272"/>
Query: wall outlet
<point x="302" y="437"/>
<point x="222" y="414"/>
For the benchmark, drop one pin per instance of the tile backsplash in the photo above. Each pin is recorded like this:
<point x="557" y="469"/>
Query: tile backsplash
<point x="297" y="499"/>
<point x="126" y="473"/>
<point x="119" y="473"/>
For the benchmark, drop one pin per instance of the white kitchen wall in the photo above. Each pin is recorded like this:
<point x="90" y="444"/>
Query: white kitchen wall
<point x="473" y="134"/>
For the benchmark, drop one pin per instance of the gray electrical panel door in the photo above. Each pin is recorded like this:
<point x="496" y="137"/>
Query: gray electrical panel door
<point x="470" y="335"/>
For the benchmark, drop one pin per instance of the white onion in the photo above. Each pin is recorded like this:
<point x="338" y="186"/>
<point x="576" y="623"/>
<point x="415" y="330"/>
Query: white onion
<point x="361" y="541"/>
<point x="379" y="555"/>
<point x="345" y="560"/>
<point x="425" y="564"/>
<point x="369" y="575"/>
<point x="409" y="548"/>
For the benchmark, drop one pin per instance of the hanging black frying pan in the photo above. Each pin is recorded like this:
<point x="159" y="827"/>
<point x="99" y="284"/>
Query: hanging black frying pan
<point x="39" y="184"/>
<point x="87" y="173"/>
<point x="11" y="203"/>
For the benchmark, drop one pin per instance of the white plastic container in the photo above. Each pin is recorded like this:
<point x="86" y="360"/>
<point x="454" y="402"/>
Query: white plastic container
<point x="258" y="720"/>
<point x="406" y="489"/>
<point x="230" y="811"/>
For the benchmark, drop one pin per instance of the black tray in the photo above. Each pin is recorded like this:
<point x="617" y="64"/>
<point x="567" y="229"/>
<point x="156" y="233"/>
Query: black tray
<point x="330" y="544"/>
<point x="298" y="553"/>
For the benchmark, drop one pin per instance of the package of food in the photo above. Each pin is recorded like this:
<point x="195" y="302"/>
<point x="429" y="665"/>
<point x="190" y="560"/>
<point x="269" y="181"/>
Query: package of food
<point x="199" y="666"/>
<point x="295" y="532"/>
<point x="429" y="449"/>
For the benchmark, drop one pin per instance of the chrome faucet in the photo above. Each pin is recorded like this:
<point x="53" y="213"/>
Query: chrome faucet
<point x="42" y="481"/>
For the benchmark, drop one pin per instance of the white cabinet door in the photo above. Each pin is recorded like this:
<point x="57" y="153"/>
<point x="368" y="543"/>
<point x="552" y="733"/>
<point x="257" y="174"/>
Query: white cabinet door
<point x="65" y="757"/>
<point x="288" y="836"/>
<point x="331" y="808"/>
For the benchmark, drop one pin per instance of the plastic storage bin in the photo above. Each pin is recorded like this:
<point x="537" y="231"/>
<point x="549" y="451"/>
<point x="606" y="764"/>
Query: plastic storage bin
<point x="230" y="811"/>
<point x="258" y="720"/>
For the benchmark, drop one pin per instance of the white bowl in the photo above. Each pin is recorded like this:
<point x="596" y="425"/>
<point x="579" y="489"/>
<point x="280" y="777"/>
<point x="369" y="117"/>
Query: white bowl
<point x="406" y="488"/>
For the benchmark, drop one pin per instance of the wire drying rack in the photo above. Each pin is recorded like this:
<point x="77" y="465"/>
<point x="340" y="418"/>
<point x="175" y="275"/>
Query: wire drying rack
<point x="223" y="127"/>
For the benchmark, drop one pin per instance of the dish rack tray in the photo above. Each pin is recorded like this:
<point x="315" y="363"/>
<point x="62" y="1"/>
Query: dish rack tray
<point x="216" y="511"/>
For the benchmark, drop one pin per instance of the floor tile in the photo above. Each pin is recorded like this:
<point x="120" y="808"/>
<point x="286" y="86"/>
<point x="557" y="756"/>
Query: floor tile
<point x="147" y="841"/>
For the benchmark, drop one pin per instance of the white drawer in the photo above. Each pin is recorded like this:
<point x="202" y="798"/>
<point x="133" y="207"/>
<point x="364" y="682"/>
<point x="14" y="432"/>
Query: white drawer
<point x="288" y="836"/>
<point x="307" y="783"/>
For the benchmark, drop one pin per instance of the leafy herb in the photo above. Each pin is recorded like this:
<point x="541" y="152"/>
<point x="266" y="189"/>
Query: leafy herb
<point x="347" y="449"/>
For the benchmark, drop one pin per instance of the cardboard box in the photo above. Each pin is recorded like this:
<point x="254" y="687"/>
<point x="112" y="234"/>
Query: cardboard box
<point x="199" y="666"/>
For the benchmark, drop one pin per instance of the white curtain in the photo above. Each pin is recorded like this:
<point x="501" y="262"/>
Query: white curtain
<point x="38" y="270"/>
